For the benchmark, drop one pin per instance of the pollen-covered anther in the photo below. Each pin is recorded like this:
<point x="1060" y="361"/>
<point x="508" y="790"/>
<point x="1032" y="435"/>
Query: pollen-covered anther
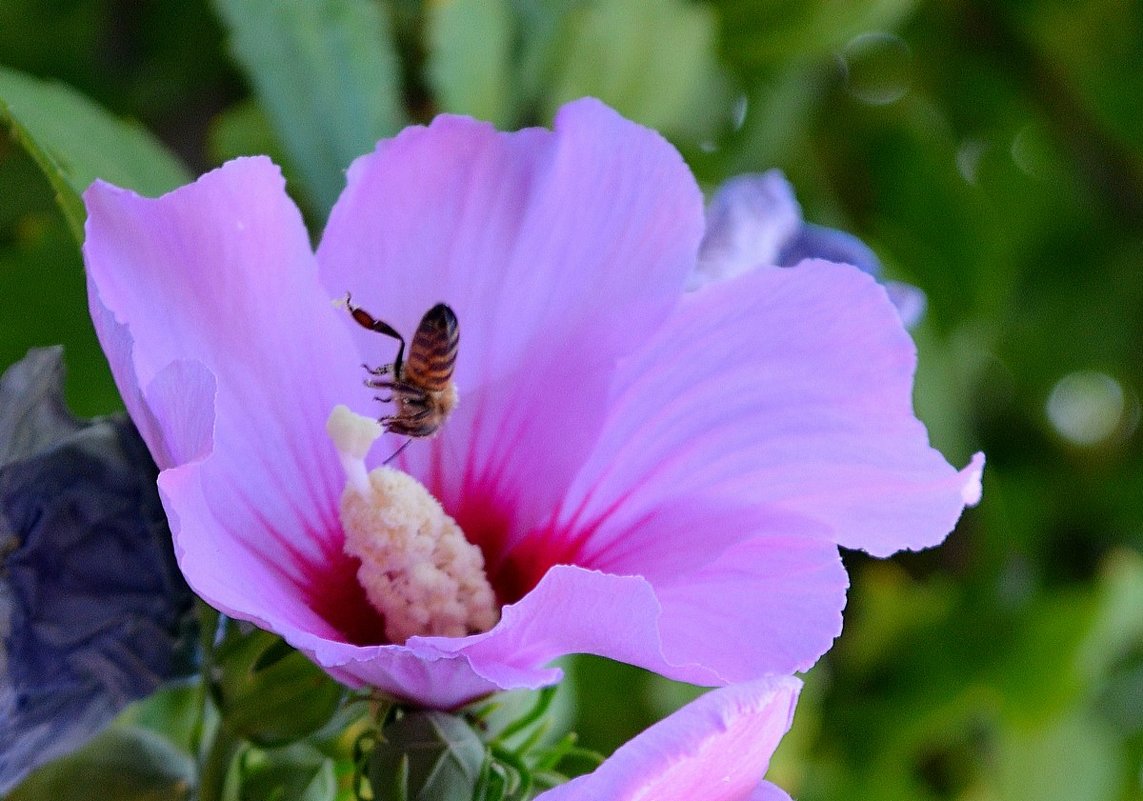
<point x="417" y="568"/>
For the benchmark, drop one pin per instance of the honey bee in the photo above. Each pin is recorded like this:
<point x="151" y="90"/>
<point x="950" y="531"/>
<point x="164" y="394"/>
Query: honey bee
<point x="421" y="385"/>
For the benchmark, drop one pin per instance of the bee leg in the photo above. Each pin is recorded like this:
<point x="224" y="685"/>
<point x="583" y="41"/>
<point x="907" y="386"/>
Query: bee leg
<point x="367" y="320"/>
<point x="398" y="387"/>
<point x="376" y="383"/>
<point x="384" y="369"/>
<point x="415" y="410"/>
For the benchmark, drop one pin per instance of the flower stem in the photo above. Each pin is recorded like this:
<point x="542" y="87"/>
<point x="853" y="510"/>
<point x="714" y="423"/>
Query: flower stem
<point x="208" y="621"/>
<point x="216" y="765"/>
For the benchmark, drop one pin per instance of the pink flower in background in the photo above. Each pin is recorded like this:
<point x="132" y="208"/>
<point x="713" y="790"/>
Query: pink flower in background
<point x="754" y="220"/>
<point x="714" y="749"/>
<point x="657" y="476"/>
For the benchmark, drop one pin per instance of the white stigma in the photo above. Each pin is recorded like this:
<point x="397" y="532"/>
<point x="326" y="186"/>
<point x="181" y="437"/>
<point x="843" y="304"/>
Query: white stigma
<point x="417" y="568"/>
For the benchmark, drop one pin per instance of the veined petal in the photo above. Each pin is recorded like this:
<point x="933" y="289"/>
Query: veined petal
<point x="808" y="409"/>
<point x="769" y="605"/>
<point x="733" y="594"/>
<point x="552" y="247"/>
<point x="714" y="749"/>
<point x="781" y="594"/>
<point x="229" y="357"/>
<point x="33" y="416"/>
<point x="754" y="221"/>
<point x="573" y="610"/>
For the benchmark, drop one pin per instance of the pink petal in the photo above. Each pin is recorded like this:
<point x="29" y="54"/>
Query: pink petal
<point x="739" y="592"/>
<point x="242" y="582"/>
<point x="715" y="749"/>
<point x="572" y="610"/>
<point x="769" y="605"/>
<point x="769" y="792"/>
<point x="229" y="353"/>
<point x="808" y="408"/>
<point x="552" y="247"/>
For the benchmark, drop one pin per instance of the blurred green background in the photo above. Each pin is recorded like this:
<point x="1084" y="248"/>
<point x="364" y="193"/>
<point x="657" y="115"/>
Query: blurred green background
<point x="991" y="154"/>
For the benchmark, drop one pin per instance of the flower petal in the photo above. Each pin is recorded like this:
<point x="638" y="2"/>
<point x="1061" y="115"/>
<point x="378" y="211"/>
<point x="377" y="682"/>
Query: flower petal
<point x="573" y="610"/>
<point x="910" y="301"/>
<point x="811" y="412"/>
<point x="755" y="221"/>
<point x="769" y="605"/>
<point x="829" y="244"/>
<point x="781" y="594"/>
<point x="739" y="592"/>
<point x="750" y="220"/>
<point x="229" y="357"/>
<point x="769" y="792"/>
<point x="551" y="247"/>
<point x="714" y="749"/>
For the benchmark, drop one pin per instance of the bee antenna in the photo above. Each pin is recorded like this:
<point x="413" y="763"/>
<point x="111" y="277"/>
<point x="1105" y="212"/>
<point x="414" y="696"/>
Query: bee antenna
<point x="397" y="452"/>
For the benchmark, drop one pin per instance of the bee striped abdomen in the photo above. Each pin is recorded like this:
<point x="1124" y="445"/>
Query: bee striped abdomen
<point x="432" y="353"/>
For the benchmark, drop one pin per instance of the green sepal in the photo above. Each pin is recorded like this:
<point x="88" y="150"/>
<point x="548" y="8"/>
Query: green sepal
<point x="296" y="773"/>
<point x="426" y="756"/>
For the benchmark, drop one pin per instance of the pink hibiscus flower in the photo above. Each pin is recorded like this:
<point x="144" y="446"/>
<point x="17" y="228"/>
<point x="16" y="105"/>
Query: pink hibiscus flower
<point x="714" y="749"/>
<point x="651" y="475"/>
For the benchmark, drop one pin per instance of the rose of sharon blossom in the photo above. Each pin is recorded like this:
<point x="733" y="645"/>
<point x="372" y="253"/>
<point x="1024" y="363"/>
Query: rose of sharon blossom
<point x="651" y="475"/>
<point x="714" y="749"/>
<point x="754" y="220"/>
<point x="93" y="611"/>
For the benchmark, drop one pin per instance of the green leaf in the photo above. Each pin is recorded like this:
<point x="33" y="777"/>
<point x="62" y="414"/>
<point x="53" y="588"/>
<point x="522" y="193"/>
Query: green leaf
<point x="426" y="756"/>
<point x="1118" y="626"/>
<point x="74" y="141"/>
<point x="326" y="73"/>
<point x="652" y="60"/>
<point x="469" y="59"/>
<point x="171" y="711"/>
<point x="269" y="693"/>
<point x="43" y="294"/>
<point x="1075" y="759"/>
<point x="778" y="32"/>
<point x="126" y="764"/>
<point x="543" y="27"/>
